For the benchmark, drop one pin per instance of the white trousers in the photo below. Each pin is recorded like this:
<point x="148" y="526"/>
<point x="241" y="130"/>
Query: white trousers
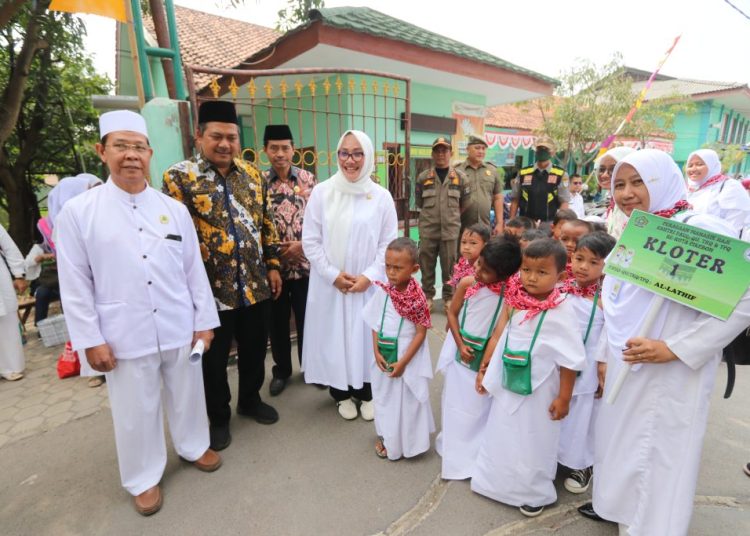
<point x="135" y="396"/>
<point x="11" y="348"/>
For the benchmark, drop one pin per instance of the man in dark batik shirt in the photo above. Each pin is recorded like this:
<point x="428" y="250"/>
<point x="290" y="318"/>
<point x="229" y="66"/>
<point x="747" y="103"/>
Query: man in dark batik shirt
<point x="231" y="208"/>
<point x="289" y="188"/>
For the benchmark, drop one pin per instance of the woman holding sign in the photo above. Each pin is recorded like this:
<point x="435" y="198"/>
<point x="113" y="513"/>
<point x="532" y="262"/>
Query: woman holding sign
<point x="648" y="442"/>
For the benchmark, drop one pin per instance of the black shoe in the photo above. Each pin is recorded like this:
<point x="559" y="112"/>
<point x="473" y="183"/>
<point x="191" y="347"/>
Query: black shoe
<point x="531" y="511"/>
<point x="277" y="386"/>
<point x="220" y="437"/>
<point x="587" y="511"/>
<point x="261" y="412"/>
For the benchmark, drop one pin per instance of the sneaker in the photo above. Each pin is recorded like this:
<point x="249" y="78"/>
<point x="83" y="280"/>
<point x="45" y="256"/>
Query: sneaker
<point x="347" y="409"/>
<point x="746" y="468"/>
<point x="579" y="481"/>
<point x="367" y="410"/>
<point x="531" y="511"/>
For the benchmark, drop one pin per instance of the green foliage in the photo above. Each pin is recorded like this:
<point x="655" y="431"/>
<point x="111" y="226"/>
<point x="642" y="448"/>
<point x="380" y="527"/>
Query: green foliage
<point x="730" y="155"/>
<point x="296" y="13"/>
<point x="591" y="102"/>
<point x="56" y="124"/>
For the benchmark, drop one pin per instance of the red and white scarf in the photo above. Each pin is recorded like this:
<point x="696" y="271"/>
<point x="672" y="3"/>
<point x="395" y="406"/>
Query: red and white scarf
<point x="460" y="270"/>
<point x="570" y="286"/>
<point x="716" y="179"/>
<point x="410" y="304"/>
<point x="496" y="288"/>
<point x="678" y="207"/>
<point x="517" y="297"/>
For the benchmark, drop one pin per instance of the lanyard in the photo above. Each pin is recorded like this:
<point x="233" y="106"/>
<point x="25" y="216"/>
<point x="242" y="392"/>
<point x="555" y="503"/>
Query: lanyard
<point x="494" y="316"/>
<point x="591" y="317"/>
<point x="536" y="333"/>
<point x="382" y="318"/>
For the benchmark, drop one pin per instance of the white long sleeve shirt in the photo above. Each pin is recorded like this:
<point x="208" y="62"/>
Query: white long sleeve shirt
<point x="131" y="273"/>
<point x="13" y="260"/>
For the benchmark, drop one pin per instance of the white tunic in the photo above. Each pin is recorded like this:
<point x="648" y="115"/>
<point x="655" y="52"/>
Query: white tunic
<point x="517" y="459"/>
<point x="13" y="259"/>
<point x="576" y="204"/>
<point x="11" y="349"/>
<point x="338" y="344"/>
<point x="403" y="415"/>
<point x="131" y="273"/>
<point x="648" y="443"/>
<point x="576" y="448"/>
<point x="728" y="200"/>
<point x="464" y="410"/>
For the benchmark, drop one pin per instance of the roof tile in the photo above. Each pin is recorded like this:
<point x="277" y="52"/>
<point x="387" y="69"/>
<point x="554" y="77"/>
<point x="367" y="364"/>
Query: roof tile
<point x="215" y="41"/>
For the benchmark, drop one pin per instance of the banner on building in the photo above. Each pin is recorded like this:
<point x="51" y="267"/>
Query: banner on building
<point x="469" y="122"/>
<point x="113" y="9"/>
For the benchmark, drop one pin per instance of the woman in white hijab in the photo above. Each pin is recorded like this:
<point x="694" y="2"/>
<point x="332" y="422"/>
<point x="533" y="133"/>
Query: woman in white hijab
<point x="712" y="192"/>
<point x="349" y="221"/>
<point x="604" y="165"/>
<point x="648" y="443"/>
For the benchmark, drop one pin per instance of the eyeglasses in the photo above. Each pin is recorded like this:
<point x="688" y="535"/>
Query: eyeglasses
<point x="603" y="170"/>
<point x="356" y="155"/>
<point x="125" y="147"/>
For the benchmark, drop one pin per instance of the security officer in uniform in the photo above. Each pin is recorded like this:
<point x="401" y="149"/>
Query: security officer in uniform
<point x="486" y="187"/>
<point x="540" y="190"/>
<point x="441" y="195"/>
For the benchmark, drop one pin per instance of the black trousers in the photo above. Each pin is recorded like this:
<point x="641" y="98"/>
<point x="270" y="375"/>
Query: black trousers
<point x="249" y="326"/>
<point x="364" y="394"/>
<point x="293" y="298"/>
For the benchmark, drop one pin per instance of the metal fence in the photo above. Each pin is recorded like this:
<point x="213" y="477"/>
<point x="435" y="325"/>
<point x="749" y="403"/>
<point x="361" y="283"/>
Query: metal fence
<point x="320" y="104"/>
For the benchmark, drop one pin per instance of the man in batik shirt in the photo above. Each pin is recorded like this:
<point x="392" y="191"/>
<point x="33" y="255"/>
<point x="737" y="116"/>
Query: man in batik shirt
<point x="230" y="206"/>
<point x="290" y="188"/>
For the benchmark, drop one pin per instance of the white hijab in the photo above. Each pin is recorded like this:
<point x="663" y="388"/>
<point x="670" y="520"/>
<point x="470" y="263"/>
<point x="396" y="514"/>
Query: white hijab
<point x="339" y="208"/>
<point x="616" y="154"/>
<point x="625" y="304"/>
<point x="711" y="159"/>
<point x="67" y="189"/>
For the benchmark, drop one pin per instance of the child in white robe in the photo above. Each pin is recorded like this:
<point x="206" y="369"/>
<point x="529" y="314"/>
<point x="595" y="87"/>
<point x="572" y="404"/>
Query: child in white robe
<point x="530" y="375"/>
<point x="576" y="450"/>
<point x="399" y="317"/>
<point x="472" y="315"/>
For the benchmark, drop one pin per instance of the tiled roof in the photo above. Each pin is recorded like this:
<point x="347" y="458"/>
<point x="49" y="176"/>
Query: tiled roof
<point x="685" y="87"/>
<point x="370" y="21"/>
<point x="215" y="41"/>
<point x="522" y="116"/>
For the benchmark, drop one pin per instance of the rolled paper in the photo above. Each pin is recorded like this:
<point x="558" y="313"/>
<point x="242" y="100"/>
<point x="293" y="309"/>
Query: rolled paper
<point x="197" y="352"/>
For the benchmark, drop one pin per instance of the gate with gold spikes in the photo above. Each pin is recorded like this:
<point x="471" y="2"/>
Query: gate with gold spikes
<point x="319" y="105"/>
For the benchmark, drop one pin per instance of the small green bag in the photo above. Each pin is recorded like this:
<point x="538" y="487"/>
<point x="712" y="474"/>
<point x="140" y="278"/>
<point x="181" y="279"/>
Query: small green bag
<point x="476" y="343"/>
<point x="388" y="346"/>
<point x="517" y="364"/>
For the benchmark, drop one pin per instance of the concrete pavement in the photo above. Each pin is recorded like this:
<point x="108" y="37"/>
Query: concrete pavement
<point x="311" y="473"/>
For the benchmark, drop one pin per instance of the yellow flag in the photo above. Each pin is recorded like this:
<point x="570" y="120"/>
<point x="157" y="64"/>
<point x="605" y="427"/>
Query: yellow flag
<point x="114" y="9"/>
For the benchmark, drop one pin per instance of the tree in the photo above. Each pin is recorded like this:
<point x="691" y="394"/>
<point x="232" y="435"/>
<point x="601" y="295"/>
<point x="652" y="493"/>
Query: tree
<point x="730" y="155"/>
<point x="296" y="13"/>
<point x="47" y="122"/>
<point x="590" y="103"/>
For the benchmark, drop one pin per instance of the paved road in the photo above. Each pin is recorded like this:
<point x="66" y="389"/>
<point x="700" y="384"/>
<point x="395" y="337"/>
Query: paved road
<point x="311" y="473"/>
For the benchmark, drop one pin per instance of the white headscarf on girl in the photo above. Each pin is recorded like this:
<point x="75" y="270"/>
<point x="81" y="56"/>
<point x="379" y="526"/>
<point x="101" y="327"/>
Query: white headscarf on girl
<point x="340" y="202"/>
<point x="67" y="189"/>
<point x="661" y="176"/>
<point x="625" y="307"/>
<point x="711" y="159"/>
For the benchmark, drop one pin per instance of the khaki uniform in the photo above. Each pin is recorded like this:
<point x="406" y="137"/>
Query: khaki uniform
<point x="485" y="185"/>
<point x="440" y="205"/>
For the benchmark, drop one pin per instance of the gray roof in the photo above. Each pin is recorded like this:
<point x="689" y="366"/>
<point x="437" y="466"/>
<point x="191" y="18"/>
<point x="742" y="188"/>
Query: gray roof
<point x="686" y="87"/>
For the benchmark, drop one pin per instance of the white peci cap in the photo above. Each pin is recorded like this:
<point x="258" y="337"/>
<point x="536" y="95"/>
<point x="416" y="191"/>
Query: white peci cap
<point x="121" y="120"/>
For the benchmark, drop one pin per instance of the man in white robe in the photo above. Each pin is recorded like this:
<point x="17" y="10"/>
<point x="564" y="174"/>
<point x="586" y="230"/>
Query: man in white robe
<point x="136" y="298"/>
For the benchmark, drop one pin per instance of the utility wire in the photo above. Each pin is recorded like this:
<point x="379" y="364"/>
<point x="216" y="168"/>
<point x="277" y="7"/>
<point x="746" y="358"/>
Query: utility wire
<point x="738" y="9"/>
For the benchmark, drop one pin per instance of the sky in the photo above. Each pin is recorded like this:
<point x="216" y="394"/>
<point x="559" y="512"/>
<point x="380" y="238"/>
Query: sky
<point x="546" y="36"/>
